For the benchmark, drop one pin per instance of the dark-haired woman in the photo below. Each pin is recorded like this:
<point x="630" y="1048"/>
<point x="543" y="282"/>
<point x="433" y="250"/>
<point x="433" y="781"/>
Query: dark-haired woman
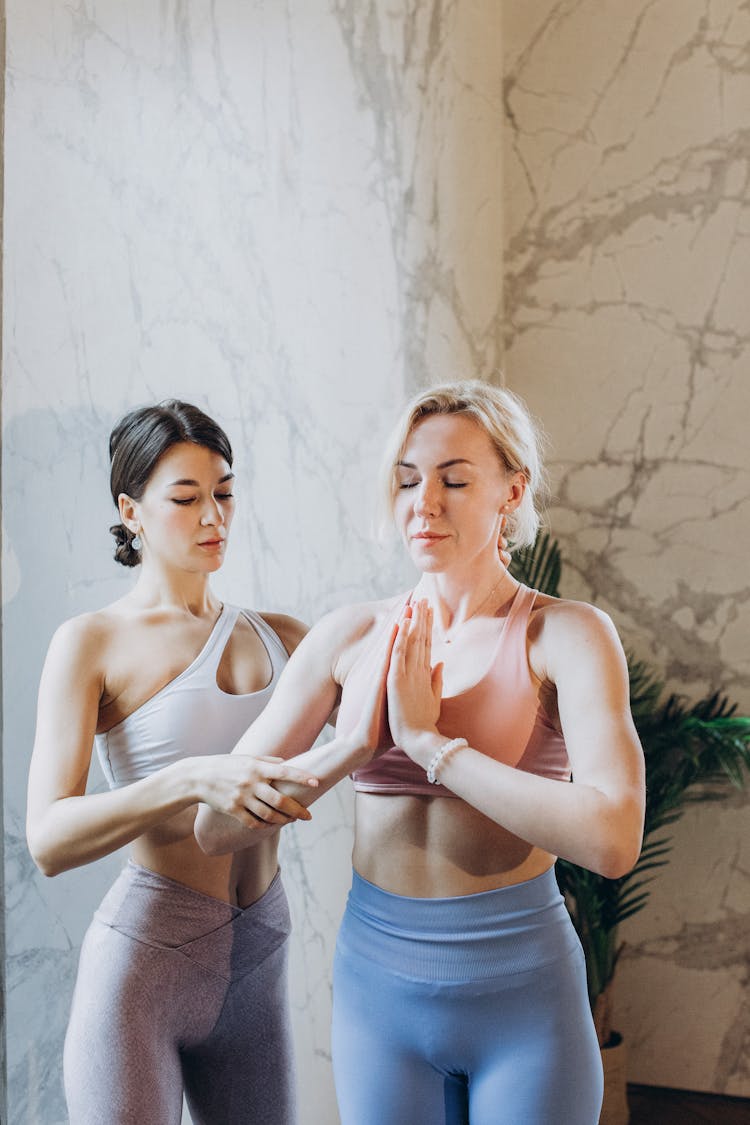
<point x="182" y="977"/>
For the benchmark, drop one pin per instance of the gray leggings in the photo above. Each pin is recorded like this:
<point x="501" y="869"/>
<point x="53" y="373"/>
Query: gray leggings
<point x="180" y="991"/>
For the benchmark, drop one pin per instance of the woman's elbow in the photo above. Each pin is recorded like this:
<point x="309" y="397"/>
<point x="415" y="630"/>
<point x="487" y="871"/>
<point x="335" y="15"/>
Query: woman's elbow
<point x="209" y="835"/>
<point x="209" y="844"/>
<point x="618" y="834"/>
<point x="620" y="851"/>
<point x="616" y="863"/>
<point x="48" y="860"/>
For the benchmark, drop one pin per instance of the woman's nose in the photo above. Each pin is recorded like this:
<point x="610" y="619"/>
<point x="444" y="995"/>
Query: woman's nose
<point x="427" y="501"/>
<point x="212" y="513"/>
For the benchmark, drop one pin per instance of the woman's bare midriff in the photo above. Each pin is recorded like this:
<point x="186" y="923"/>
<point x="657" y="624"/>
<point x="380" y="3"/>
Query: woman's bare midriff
<point x="240" y="878"/>
<point x="438" y="847"/>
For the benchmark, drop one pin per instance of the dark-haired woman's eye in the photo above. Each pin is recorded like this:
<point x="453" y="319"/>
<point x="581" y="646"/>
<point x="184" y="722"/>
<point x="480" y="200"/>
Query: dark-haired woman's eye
<point x="190" y="501"/>
<point x="455" y="484"/>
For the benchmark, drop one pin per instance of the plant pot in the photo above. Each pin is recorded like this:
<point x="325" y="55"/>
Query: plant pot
<point x="615" y="1105"/>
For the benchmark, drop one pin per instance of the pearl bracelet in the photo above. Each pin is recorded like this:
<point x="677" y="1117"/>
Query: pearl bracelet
<point x="440" y="756"/>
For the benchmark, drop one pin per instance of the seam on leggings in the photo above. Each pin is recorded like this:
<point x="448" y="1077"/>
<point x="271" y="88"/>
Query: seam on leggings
<point x="234" y="978"/>
<point x="160" y="945"/>
<point x="234" y="982"/>
<point x="179" y="951"/>
<point x="502" y="975"/>
<point x="174" y="950"/>
<point x="237" y="912"/>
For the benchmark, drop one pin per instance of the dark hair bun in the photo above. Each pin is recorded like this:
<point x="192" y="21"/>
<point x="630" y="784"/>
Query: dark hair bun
<point x="125" y="552"/>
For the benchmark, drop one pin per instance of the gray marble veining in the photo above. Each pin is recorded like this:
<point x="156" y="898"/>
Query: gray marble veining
<point x="293" y="216"/>
<point x="627" y="159"/>
<point x="264" y="209"/>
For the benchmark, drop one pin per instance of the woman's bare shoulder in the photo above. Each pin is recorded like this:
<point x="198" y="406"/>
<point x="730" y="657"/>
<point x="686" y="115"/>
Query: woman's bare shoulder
<point x="289" y="630"/>
<point x="340" y="626"/>
<point x="82" y="645"/>
<point x="562" y="629"/>
<point x="357" y="627"/>
<point x="91" y="627"/>
<point x="356" y="620"/>
<point x="343" y="629"/>
<point x="567" y="613"/>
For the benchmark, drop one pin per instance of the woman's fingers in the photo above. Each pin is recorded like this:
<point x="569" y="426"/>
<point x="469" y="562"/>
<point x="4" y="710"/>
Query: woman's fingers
<point x="412" y="648"/>
<point x="244" y="786"/>
<point x="283" y="769"/>
<point x="427" y="644"/>
<point x="437" y="680"/>
<point x="255" y="814"/>
<point x="401" y="641"/>
<point x="422" y="634"/>
<point x="272" y="807"/>
<point x="272" y="767"/>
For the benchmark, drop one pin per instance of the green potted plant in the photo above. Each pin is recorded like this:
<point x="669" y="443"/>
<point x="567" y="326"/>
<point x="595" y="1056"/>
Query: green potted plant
<point x="693" y="752"/>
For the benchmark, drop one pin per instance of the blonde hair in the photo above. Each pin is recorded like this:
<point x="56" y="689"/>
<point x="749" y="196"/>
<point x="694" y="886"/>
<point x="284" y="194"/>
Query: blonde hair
<point x="515" y="436"/>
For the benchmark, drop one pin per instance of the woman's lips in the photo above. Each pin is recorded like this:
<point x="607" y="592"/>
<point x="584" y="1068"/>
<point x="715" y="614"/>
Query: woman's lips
<point x="429" y="538"/>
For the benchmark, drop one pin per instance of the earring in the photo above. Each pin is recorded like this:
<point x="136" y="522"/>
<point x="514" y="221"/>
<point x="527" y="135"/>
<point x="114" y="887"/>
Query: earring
<point x="136" y="542"/>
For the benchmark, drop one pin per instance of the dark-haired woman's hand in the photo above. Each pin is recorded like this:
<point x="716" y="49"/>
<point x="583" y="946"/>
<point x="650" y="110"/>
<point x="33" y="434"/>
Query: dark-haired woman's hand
<point x="244" y="787"/>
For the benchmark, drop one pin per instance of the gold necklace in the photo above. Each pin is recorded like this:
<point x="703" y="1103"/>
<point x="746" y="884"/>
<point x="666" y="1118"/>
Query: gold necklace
<point x="446" y="638"/>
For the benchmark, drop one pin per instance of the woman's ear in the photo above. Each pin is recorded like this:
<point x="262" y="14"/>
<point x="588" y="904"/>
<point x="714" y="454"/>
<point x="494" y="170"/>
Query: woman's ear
<point x="515" y="488"/>
<point x="128" y="509"/>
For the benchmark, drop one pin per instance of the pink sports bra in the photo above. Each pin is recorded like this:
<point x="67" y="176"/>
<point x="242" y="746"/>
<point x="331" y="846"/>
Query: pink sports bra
<point x="500" y="716"/>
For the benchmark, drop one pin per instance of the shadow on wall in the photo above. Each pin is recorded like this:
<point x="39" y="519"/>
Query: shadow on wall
<point x="57" y="563"/>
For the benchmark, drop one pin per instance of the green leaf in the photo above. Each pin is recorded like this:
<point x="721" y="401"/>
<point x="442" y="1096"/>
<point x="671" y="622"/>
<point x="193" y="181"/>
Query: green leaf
<point x="539" y="566"/>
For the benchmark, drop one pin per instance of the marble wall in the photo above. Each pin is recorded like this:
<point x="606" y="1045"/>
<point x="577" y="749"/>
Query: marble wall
<point x="627" y="270"/>
<point x="263" y="208"/>
<point x="3" y="1068"/>
<point x="292" y="214"/>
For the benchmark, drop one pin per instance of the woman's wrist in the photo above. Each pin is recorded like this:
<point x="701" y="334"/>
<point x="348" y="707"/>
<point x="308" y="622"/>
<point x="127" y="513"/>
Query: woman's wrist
<point x="422" y="745"/>
<point x="334" y="759"/>
<point x="431" y="750"/>
<point x="186" y="781"/>
<point x="440" y="758"/>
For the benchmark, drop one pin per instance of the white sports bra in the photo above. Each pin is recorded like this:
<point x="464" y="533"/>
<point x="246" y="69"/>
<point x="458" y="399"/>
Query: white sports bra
<point x="191" y="715"/>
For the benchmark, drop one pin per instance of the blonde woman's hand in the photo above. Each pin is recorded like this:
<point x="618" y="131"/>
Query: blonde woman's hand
<point x="414" y="686"/>
<point x="371" y="732"/>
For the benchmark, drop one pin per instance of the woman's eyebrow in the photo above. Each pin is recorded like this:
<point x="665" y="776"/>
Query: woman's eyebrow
<point x="196" y="483"/>
<point x="442" y="465"/>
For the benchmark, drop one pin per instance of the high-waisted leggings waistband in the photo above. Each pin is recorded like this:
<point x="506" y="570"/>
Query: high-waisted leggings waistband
<point x="155" y="910"/>
<point x="479" y="936"/>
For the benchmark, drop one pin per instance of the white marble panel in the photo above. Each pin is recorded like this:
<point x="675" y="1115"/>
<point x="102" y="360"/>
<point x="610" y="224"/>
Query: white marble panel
<point x="290" y="215"/>
<point x="627" y="161"/>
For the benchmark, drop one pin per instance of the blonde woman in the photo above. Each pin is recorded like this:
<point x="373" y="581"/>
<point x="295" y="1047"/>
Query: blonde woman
<point x="460" y="987"/>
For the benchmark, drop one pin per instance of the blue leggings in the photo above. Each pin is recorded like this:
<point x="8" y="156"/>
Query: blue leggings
<point x="463" y="1010"/>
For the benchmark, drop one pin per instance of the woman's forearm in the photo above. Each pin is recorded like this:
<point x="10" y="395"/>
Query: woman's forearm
<point x="329" y="762"/>
<point x="579" y="822"/>
<point x="75" y="830"/>
<point x="218" y="833"/>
